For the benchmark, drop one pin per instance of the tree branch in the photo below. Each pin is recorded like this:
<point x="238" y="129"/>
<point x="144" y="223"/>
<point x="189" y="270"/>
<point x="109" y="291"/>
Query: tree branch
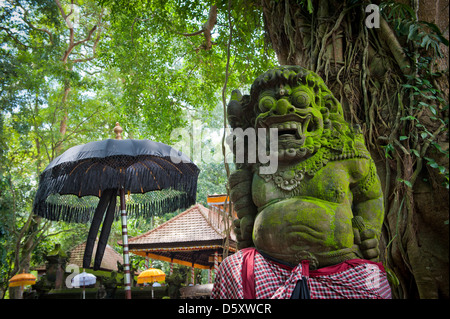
<point x="14" y="38"/>
<point x="32" y="242"/>
<point x="396" y="49"/>
<point x="192" y="34"/>
<point x="25" y="14"/>
<point x="63" y="14"/>
<point x="224" y="89"/>
<point x="94" y="47"/>
<point x="87" y="38"/>
<point x="19" y="240"/>
<point x="326" y="36"/>
<point x="206" y="29"/>
<point x="209" y="25"/>
<point x="423" y="152"/>
<point x="227" y="169"/>
<point x="72" y="44"/>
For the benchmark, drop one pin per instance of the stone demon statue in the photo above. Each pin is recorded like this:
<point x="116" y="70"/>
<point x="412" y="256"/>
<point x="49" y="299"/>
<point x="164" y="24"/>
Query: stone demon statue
<point x="311" y="228"/>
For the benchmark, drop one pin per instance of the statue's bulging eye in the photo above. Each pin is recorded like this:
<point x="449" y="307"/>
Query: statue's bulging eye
<point x="300" y="99"/>
<point x="266" y="103"/>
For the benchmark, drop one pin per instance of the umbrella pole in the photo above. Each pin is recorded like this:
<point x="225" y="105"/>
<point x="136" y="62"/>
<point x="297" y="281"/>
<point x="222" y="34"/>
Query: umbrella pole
<point x="126" y="257"/>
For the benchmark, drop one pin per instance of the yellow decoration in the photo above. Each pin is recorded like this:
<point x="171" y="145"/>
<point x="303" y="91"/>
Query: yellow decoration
<point x="22" y="280"/>
<point x="151" y="275"/>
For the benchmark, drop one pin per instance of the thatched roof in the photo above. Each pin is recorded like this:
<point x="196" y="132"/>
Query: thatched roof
<point x="109" y="261"/>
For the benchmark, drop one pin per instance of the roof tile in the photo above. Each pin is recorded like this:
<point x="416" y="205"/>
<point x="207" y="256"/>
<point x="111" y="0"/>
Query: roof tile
<point x="197" y="224"/>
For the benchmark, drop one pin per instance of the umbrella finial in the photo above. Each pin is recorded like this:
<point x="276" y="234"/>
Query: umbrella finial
<point x="118" y="130"/>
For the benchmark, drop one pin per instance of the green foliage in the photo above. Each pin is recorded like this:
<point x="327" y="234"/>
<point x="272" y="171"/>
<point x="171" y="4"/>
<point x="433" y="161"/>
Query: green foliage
<point x="309" y="5"/>
<point x="425" y="34"/>
<point x="428" y="99"/>
<point x="167" y="73"/>
<point x="212" y="180"/>
<point x="147" y="73"/>
<point x="425" y="40"/>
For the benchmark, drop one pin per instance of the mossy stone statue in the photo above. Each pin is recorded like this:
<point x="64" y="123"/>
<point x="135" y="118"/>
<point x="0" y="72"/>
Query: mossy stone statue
<point x="324" y="202"/>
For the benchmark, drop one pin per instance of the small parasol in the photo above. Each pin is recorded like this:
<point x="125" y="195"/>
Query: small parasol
<point x="151" y="275"/>
<point x="84" y="279"/>
<point x="21" y="280"/>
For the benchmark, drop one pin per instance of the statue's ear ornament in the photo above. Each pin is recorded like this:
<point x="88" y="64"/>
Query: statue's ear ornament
<point x="236" y="95"/>
<point x="235" y="109"/>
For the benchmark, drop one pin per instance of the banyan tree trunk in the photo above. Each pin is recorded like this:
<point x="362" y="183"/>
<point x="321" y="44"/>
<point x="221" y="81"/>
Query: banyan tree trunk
<point x="378" y="75"/>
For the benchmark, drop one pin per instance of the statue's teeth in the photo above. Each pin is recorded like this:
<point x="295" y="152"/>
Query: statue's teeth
<point x="305" y="123"/>
<point x="299" y="130"/>
<point x="293" y="125"/>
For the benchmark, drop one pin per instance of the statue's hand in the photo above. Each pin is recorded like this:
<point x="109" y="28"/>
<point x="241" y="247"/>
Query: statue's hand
<point x="369" y="244"/>
<point x="366" y="239"/>
<point x="243" y="234"/>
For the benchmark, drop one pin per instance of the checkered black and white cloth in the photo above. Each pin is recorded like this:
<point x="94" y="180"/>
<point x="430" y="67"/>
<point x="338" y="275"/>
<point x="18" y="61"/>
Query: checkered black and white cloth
<point x="248" y="275"/>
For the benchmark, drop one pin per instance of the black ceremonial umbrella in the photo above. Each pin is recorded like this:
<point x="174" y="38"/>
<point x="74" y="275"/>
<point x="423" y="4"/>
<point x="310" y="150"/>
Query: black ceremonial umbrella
<point x="82" y="185"/>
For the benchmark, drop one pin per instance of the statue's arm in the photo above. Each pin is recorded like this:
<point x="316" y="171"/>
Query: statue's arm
<point x="240" y="183"/>
<point x="368" y="212"/>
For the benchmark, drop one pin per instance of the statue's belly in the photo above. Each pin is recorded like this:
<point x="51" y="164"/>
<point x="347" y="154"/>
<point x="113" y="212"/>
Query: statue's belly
<point x="292" y="228"/>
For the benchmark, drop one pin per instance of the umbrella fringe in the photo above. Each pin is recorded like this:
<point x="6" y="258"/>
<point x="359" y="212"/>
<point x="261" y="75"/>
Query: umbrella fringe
<point x="159" y="207"/>
<point x="57" y="212"/>
<point x="156" y="207"/>
<point x="183" y="179"/>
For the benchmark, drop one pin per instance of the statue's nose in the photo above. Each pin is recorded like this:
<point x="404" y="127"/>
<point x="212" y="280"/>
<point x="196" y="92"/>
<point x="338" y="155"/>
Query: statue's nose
<point x="283" y="107"/>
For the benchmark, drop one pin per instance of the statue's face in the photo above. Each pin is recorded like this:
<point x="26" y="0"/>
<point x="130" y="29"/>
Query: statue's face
<point x="295" y="112"/>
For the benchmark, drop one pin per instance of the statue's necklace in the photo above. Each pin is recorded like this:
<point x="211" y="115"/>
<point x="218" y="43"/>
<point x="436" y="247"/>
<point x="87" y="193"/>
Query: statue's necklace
<point x="291" y="178"/>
